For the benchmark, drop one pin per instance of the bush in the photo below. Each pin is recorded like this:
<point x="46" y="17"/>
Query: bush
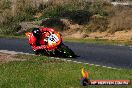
<point x="53" y="23"/>
<point x="99" y="7"/>
<point x="97" y="24"/>
<point x="79" y="11"/>
<point x="4" y="4"/>
<point x="77" y="16"/>
<point x="9" y="22"/>
<point x="10" y="29"/>
<point x="57" y="7"/>
<point x="121" y="21"/>
<point x="53" y="12"/>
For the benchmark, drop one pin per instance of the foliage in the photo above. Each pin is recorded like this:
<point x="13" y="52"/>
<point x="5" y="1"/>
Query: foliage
<point x="97" y="24"/>
<point x="121" y="21"/>
<point x="9" y="22"/>
<point x="79" y="11"/>
<point x="99" y="7"/>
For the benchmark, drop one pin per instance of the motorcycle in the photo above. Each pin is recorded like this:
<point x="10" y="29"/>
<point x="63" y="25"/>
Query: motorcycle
<point x="55" y="46"/>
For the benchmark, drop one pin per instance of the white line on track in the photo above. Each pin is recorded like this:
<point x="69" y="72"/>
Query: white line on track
<point x="14" y="52"/>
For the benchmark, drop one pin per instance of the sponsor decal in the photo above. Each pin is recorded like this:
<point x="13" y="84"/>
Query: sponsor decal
<point x="85" y="81"/>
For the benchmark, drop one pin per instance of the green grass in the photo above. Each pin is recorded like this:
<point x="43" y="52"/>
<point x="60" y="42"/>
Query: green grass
<point x="99" y="41"/>
<point x="93" y="41"/>
<point x="12" y="36"/>
<point x="44" y="72"/>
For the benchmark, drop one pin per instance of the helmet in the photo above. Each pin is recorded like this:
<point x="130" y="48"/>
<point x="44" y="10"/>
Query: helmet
<point x="36" y="32"/>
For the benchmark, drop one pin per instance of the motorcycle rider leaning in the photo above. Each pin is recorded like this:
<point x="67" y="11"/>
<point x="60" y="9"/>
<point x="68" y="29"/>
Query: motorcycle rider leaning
<point x="36" y="40"/>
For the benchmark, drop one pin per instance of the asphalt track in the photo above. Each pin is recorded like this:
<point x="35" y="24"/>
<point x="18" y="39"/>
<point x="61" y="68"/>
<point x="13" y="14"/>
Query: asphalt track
<point x="105" y="55"/>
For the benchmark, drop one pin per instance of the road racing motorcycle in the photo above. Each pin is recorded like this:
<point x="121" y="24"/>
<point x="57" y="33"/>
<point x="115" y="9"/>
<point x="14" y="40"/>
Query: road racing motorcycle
<point x="55" y="46"/>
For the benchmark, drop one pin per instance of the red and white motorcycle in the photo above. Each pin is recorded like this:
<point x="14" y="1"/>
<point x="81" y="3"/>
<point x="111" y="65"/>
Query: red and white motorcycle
<point x="55" y="46"/>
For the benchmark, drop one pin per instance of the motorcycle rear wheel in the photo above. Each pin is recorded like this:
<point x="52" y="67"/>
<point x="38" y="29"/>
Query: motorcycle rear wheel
<point x="65" y="51"/>
<point x="61" y="51"/>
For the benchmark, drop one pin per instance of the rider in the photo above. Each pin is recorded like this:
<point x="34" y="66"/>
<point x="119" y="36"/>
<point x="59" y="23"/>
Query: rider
<point x="36" y="40"/>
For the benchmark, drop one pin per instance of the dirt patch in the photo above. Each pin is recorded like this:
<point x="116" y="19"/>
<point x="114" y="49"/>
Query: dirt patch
<point x="77" y="35"/>
<point x="119" y="35"/>
<point x="56" y="23"/>
<point x="27" y="25"/>
<point x="70" y="29"/>
<point x="4" y="58"/>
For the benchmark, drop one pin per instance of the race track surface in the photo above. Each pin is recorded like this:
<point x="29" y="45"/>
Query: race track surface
<point x="108" y="55"/>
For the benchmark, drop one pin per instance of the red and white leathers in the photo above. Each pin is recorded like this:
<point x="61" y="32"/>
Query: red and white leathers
<point x="42" y="43"/>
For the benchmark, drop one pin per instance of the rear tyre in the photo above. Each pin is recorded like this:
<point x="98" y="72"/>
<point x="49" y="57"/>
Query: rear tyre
<point x="65" y="51"/>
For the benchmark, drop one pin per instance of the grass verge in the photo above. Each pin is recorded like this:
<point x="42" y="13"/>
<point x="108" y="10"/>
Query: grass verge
<point x="12" y="36"/>
<point x="100" y="41"/>
<point x="94" y="41"/>
<point x="44" y="72"/>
